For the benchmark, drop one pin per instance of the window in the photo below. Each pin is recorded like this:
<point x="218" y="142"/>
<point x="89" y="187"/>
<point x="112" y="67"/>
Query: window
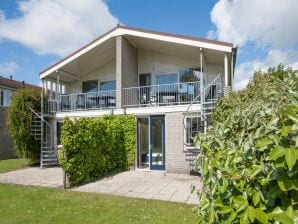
<point x="5" y="97"/>
<point x="193" y="125"/>
<point x="166" y="79"/>
<point x="90" y="86"/>
<point x="145" y="79"/>
<point x="108" y="85"/>
<point x="1" y="97"/>
<point x="187" y="75"/>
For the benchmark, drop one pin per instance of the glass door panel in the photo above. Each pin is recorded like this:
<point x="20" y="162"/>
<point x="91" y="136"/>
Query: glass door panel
<point x="157" y="155"/>
<point x="143" y="143"/>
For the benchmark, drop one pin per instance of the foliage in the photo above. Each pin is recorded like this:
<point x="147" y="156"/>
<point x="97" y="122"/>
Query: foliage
<point x="250" y="153"/>
<point x="94" y="147"/>
<point x="19" y="120"/>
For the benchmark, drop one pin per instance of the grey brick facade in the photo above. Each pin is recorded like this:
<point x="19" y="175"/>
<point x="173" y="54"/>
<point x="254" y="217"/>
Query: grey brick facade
<point x="126" y="66"/>
<point x="175" y="157"/>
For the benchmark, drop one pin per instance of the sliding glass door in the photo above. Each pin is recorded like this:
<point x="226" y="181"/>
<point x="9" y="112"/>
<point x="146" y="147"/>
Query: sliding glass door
<point x="151" y="143"/>
<point x="157" y="136"/>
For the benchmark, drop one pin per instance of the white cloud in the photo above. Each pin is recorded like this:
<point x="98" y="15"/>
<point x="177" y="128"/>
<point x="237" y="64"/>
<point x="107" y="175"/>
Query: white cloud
<point x="265" y="22"/>
<point x="8" y="68"/>
<point x="244" y="71"/>
<point x="57" y="27"/>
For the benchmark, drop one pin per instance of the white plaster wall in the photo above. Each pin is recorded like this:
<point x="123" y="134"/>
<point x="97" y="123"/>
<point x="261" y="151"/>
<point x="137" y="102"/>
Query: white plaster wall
<point x="213" y="71"/>
<point x="148" y="61"/>
<point x="106" y="72"/>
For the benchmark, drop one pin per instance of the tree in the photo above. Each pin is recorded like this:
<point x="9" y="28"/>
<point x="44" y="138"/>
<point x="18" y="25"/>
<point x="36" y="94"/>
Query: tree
<point x="250" y="164"/>
<point x="19" y="120"/>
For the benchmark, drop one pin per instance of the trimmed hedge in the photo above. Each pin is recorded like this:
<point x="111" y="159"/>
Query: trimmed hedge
<point x="94" y="147"/>
<point x="19" y="119"/>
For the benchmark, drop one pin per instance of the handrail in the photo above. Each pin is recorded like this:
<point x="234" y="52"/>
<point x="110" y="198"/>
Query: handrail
<point x="36" y="114"/>
<point x="47" y="123"/>
<point x="170" y="84"/>
<point x="199" y="95"/>
<point x="97" y="92"/>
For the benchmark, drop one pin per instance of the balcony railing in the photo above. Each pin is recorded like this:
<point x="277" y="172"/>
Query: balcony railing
<point x="87" y="101"/>
<point x="142" y="96"/>
<point x="169" y="94"/>
<point x="160" y="95"/>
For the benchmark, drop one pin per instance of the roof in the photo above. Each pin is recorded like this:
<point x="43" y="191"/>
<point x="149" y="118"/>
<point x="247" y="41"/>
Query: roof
<point x="149" y="32"/>
<point x="13" y="84"/>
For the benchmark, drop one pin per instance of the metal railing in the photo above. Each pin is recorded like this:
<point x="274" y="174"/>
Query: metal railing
<point x="196" y="116"/>
<point x="160" y="95"/>
<point x="87" y="101"/>
<point x="50" y="107"/>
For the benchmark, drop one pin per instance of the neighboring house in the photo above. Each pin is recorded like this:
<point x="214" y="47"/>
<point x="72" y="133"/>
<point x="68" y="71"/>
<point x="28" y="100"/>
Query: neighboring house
<point x="168" y="82"/>
<point x="8" y="87"/>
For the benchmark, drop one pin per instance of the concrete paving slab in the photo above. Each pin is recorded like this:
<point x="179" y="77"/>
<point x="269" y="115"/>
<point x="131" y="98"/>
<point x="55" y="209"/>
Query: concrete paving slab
<point x="140" y="184"/>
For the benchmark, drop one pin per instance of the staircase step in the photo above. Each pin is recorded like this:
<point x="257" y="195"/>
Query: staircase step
<point x="49" y="160"/>
<point x="49" y="155"/>
<point x="50" y="164"/>
<point x="49" y="151"/>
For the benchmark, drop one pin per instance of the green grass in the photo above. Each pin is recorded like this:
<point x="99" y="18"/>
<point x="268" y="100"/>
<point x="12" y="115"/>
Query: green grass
<point x="27" y="204"/>
<point x="12" y="164"/>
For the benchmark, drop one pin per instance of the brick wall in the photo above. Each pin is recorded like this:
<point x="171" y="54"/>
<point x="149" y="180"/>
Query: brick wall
<point x="175" y="158"/>
<point x="126" y="67"/>
<point x="6" y="145"/>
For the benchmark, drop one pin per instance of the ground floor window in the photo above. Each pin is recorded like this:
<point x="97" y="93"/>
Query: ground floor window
<point x="59" y="128"/>
<point x="195" y="125"/>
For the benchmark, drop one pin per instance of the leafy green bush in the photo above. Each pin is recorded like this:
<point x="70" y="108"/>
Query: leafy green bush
<point x="250" y="157"/>
<point x="94" y="147"/>
<point x="19" y="120"/>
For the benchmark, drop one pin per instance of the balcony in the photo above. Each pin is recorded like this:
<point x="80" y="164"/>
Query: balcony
<point x="88" y="101"/>
<point x="81" y="102"/>
<point x="169" y="94"/>
<point x="141" y="96"/>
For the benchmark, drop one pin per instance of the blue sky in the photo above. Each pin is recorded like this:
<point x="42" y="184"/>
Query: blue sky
<point x="35" y="34"/>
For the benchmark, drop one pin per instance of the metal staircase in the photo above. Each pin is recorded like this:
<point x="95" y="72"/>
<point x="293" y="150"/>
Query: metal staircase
<point x="41" y="130"/>
<point x="197" y="117"/>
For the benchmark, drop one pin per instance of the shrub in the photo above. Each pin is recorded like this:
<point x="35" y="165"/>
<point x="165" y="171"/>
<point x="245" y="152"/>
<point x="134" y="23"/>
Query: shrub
<point x="94" y="147"/>
<point x="19" y="120"/>
<point x="250" y="154"/>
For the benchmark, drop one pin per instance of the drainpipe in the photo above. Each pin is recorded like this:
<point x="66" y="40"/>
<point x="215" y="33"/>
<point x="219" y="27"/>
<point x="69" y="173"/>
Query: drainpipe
<point x="227" y="87"/>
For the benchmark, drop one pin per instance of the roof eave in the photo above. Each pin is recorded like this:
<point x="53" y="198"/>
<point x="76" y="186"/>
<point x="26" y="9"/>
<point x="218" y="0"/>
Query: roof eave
<point x="124" y="30"/>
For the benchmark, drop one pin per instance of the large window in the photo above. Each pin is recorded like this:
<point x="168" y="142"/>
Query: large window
<point x="90" y="86"/>
<point x="108" y="86"/>
<point x="187" y="75"/>
<point x="166" y="79"/>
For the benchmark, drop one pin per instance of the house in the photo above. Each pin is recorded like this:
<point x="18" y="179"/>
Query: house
<point x="8" y="87"/>
<point x="168" y="82"/>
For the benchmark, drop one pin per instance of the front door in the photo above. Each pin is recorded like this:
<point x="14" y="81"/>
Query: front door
<point x="156" y="142"/>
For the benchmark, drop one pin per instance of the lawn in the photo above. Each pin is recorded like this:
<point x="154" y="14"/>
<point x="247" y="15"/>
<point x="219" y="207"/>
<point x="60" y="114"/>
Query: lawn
<point x="26" y="204"/>
<point x="12" y="164"/>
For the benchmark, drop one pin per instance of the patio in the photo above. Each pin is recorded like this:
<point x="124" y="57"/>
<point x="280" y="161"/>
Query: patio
<point x="137" y="184"/>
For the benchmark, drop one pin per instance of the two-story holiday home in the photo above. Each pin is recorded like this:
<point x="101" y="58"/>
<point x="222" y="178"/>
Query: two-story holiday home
<point x="168" y="82"/>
